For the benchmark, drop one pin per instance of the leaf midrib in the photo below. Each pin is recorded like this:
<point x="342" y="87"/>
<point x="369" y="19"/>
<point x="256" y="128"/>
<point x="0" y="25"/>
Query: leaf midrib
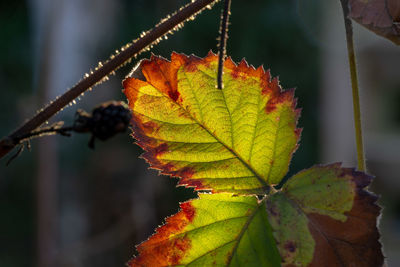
<point x="244" y="229"/>
<point x="299" y="208"/>
<point x="237" y="239"/>
<point x="256" y="174"/>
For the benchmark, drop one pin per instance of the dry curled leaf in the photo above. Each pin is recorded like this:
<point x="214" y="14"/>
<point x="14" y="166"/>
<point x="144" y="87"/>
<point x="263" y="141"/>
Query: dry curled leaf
<point x="379" y="16"/>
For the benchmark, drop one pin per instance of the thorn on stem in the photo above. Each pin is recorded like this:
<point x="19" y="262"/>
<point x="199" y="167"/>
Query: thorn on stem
<point x="20" y="149"/>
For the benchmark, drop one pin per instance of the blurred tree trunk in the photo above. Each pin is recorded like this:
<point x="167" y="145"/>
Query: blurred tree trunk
<point x="337" y="128"/>
<point x="67" y="35"/>
<point x="47" y="156"/>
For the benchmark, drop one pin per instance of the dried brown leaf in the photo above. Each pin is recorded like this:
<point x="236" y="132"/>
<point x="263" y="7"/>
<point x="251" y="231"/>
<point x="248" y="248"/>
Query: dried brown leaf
<point x="379" y="16"/>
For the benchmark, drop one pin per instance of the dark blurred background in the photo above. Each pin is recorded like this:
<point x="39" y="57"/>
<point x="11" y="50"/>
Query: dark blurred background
<point x="63" y="204"/>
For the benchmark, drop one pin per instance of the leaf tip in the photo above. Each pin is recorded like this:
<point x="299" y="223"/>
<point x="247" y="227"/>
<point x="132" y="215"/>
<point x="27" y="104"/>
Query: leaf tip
<point x="211" y="54"/>
<point x="260" y="70"/>
<point x="243" y="64"/>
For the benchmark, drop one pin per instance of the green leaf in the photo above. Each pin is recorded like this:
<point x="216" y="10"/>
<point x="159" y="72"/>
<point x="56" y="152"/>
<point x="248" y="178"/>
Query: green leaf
<point x="213" y="230"/>
<point x="323" y="216"/>
<point x="239" y="139"/>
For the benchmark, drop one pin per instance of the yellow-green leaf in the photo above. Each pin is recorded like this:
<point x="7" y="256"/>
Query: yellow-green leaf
<point x="239" y="139"/>
<point x="213" y="230"/>
<point x="323" y="216"/>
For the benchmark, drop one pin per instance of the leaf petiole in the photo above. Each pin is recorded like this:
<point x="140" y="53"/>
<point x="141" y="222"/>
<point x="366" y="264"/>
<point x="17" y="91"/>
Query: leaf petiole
<point x="354" y="84"/>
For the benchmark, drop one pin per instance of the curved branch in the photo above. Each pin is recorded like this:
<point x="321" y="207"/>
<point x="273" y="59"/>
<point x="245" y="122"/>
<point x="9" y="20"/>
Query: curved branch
<point x="153" y="36"/>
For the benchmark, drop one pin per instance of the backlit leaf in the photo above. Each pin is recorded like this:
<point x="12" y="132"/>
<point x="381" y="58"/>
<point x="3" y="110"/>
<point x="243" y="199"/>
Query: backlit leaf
<point x="379" y="16"/>
<point x="213" y="230"/>
<point x="239" y="139"/>
<point x="323" y="216"/>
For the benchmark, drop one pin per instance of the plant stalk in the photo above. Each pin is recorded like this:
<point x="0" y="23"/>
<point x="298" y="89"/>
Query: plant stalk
<point x="223" y="31"/>
<point x="173" y="22"/>
<point x="354" y="85"/>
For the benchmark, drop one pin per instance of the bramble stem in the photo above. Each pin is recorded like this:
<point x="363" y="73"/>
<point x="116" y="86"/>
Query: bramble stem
<point x="173" y="22"/>
<point x="354" y="84"/>
<point x="223" y="36"/>
<point x="46" y="131"/>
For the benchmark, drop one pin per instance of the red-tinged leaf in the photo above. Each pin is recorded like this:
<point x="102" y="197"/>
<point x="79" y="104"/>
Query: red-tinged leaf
<point x="213" y="230"/>
<point x="239" y="139"/>
<point x="324" y="216"/>
<point x="379" y="16"/>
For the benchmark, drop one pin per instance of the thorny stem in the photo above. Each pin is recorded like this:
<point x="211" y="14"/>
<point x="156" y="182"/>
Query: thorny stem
<point x="45" y="131"/>
<point x="127" y="52"/>
<point x="354" y="84"/>
<point x="24" y="140"/>
<point x="222" y="40"/>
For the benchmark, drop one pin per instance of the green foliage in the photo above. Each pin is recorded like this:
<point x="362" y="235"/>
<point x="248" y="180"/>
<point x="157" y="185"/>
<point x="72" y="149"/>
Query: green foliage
<point x="236" y="142"/>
